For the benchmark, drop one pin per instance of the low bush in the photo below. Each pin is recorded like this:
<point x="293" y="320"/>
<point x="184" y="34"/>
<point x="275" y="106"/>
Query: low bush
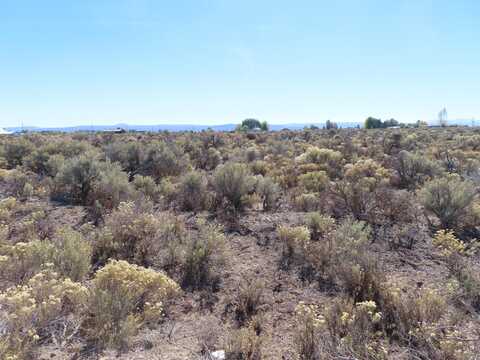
<point x="204" y="258"/>
<point x="33" y="311"/>
<point x="248" y="300"/>
<point x="449" y="199"/>
<point x="21" y="261"/>
<point x="147" y="186"/>
<point x="125" y="297"/>
<point x="307" y="202"/>
<point x="366" y="329"/>
<point x="243" y="344"/>
<point x="315" y="182"/>
<point x="192" y="191"/>
<point x="129" y="234"/>
<point x="75" y="180"/>
<point x="414" y="169"/>
<point x="355" y="193"/>
<point x="16" y="150"/>
<point x="162" y="160"/>
<point x="231" y="183"/>
<point x="111" y="187"/>
<point x="269" y="193"/>
<point x="73" y="253"/>
<point x="319" y="225"/>
<point x="294" y="241"/>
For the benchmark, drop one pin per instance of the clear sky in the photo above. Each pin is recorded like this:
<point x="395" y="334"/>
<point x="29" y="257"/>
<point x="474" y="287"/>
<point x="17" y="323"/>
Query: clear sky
<point x="71" y="62"/>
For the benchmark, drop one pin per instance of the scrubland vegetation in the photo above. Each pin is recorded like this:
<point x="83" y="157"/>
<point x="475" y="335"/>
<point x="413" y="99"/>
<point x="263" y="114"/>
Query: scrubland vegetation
<point x="314" y="244"/>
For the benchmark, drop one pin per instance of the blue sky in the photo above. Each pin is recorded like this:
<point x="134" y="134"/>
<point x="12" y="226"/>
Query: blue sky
<point x="219" y="61"/>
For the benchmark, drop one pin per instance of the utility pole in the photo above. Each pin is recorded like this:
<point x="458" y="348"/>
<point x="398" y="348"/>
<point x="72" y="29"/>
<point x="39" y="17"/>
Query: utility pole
<point x="443" y="117"/>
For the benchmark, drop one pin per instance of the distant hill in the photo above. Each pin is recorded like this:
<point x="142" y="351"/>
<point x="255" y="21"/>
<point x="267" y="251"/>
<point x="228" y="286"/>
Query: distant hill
<point x="224" y="127"/>
<point x="172" y="127"/>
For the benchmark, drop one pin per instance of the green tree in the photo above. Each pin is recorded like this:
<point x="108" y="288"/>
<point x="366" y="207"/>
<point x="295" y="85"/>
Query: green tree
<point x="373" y="123"/>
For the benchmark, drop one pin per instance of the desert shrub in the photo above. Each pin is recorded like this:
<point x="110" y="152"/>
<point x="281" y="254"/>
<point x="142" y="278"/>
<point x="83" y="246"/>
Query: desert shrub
<point x="355" y="269"/>
<point x="415" y="169"/>
<point x="21" y="261"/>
<point x="294" y="241"/>
<point x="192" y="191"/>
<point x="204" y="258"/>
<point x="329" y="160"/>
<point x="212" y="159"/>
<point x="168" y="191"/>
<point x="32" y="311"/>
<point x="124" y="297"/>
<point x="206" y="158"/>
<point x="307" y="202"/>
<point x="395" y="218"/>
<point x="130" y="234"/>
<point x="16" y="150"/>
<point x="364" y="329"/>
<point x="147" y="186"/>
<point x="259" y="167"/>
<point x="130" y="155"/>
<point x="466" y="284"/>
<point x="19" y="184"/>
<point x="231" y="183"/>
<point x="361" y="278"/>
<point x="33" y="225"/>
<point x="111" y="187"/>
<point x="75" y="180"/>
<point x="319" y="225"/>
<point x="72" y="254"/>
<point x="41" y="159"/>
<point x="248" y="300"/>
<point x="269" y="193"/>
<point x="307" y="335"/>
<point x="163" y="160"/>
<point x="448" y="243"/>
<point x="315" y="182"/>
<point x="449" y="198"/>
<point x="54" y="164"/>
<point x="356" y="191"/>
<point x="358" y="327"/>
<point x="252" y="154"/>
<point x="340" y="257"/>
<point x="243" y="344"/>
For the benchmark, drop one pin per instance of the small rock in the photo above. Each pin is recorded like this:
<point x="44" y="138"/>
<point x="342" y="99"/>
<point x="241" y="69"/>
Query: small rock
<point x="218" y="355"/>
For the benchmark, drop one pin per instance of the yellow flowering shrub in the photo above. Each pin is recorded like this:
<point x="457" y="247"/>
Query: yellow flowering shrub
<point x="327" y="159"/>
<point x="124" y="297"/>
<point x="448" y="243"/>
<point x="29" y="309"/>
<point x="314" y="182"/>
<point x="309" y="323"/>
<point x="22" y="260"/>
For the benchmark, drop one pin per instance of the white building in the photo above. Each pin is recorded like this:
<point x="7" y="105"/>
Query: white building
<point x="4" y="132"/>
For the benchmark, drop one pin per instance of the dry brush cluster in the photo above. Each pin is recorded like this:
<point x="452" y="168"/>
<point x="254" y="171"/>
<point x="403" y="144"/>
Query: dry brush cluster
<point x="136" y="249"/>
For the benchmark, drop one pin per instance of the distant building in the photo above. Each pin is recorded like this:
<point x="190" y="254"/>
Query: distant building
<point x="115" y="131"/>
<point x="5" y="132"/>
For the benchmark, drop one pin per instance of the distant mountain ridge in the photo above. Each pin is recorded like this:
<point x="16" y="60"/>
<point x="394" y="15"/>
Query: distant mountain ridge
<point x="195" y="128"/>
<point x="171" y="127"/>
